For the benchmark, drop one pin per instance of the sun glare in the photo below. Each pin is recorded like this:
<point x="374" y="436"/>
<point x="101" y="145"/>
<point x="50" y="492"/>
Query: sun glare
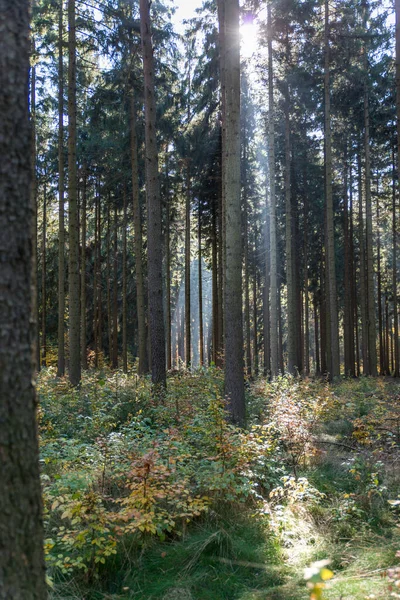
<point x="249" y="38"/>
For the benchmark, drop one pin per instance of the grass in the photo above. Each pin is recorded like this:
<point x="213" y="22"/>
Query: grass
<point x="244" y="551"/>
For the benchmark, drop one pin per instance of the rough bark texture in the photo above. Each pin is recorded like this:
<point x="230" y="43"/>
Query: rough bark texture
<point x="334" y="367"/>
<point x="73" y="221"/>
<point x="372" y="355"/>
<point x="137" y="224"/>
<point x="61" y="226"/>
<point x="291" y="306"/>
<point x="394" y="275"/>
<point x="188" y="319"/>
<point x="155" y="286"/>
<point x="83" y="272"/>
<point x="44" y="292"/>
<point x="272" y="201"/>
<point x="22" y="571"/>
<point x="233" y="326"/>
<point x="168" y="266"/>
<point x="124" y="288"/>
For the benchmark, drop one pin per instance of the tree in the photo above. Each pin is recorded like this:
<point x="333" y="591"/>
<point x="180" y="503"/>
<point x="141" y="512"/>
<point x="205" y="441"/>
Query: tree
<point x="22" y="571"/>
<point x="334" y="367"/>
<point x="73" y="217"/>
<point x="154" y="241"/>
<point x="234" y="382"/>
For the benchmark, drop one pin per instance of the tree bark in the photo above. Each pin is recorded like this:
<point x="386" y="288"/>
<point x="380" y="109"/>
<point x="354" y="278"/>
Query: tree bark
<point x="73" y="226"/>
<point x="83" y="269"/>
<point x="272" y="201"/>
<point x="124" y="287"/>
<point x="233" y="327"/>
<point x="22" y="569"/>
<point x="137" y="223"/>
<point x="334" y="367"/>
<point x="154" y="241"/>
<point x="44" y="293"/>
<point x="61" y="220"/>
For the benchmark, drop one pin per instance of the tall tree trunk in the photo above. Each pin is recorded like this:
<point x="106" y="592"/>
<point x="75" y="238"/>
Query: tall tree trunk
<point x="246" y="284"/>
<point x="73" y="226"/>
<point x="154" y="238"/>
<point x="115" y="292"/>
<point x="272" y="202"/>
<point x="372" y="356"/>
<point x="108" y="278"/>
<point x="137" y="223"/>
<point x="221" y="6"/>
<point x="380" y="317"/>
<point x="234" y="381"/>
<point x="363" y="279"/>
<point x="83" y="269"/>
<point x="394" y="274"/>
<point x="124" y="288"/>
<point x="200" y="278"/>
<point x="267" y="290"/>
<point x="188" y="318"/>
<point x="306" y="298"/>
<point x="334" y="367"/>
<point x="255" y="318"/>
<point x="35" y="312"/>
<point x="291" y="300"/>
<point x="316" y="337"/>
<point x="22" y="569"/>
<point x="348" y="277"/>
<point x="61" y="224"/>
<point x="215" y="304"/>
<point x="168" y="264"/>
<point x="44" y="294"/>
<point x="396" y="370"/>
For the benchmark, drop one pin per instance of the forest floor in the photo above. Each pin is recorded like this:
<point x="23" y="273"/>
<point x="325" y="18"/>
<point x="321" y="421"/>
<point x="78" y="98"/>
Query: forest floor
<point x="169" y="502"/>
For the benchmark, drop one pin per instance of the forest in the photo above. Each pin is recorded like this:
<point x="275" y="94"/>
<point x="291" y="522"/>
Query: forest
<point x="199" y="299"/>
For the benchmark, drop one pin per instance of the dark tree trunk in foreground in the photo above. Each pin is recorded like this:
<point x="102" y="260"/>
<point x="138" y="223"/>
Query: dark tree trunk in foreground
<point x="83" y="272"/>
<point x="22" y="571"/>
<point x="154" y="243"/>
<point x="73" y="225"/>
<point x="233" y="327"/>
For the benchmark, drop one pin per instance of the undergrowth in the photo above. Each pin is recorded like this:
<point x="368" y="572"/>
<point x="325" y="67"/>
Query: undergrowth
<point x="170" y="501"/>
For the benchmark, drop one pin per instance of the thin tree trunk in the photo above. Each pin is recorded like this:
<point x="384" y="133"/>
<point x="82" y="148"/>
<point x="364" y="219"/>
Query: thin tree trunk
<point x="154" y="238"/>
<point x="255" y="320"/>
<point x="188" y="319"/>
<point x="73" y="226"/>
<point x="200" y="275"/>
<point x="272" y="200"/>
<point x="137" y="223"/>
<point x="363" y="285"/>
<point x="95" y="289"/>
<point x="380" y="318"/>
<point x="35" y="209"/>
<point x="291" y="307"/>
<point x="108" y="278"/>
<point x="61" y="224"/>
<point x="215" y="304"/>
<point x="372" y="356"/>
<point x="22" y="568"/>
<point x="124" y="288"/>
<point x="394" y="275"/>
<point x="334" y="367"/>
<point x="316" y="337"/>
<point x="168" y="265"/>
<point x="115" y="293"/>
<point x="246" y="285"/>
<point x="44" y="294"/>
<point x="83" y="270"/>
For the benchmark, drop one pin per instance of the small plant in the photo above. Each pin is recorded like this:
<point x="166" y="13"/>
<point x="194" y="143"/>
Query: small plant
<point x="317" y="576"/>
